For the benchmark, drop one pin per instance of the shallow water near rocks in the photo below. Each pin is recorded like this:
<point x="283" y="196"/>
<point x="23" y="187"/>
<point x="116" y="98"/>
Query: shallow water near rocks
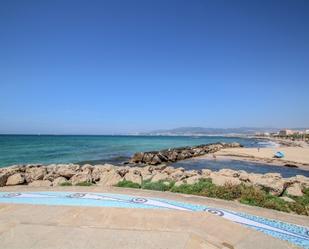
<point x="250" y="167"/>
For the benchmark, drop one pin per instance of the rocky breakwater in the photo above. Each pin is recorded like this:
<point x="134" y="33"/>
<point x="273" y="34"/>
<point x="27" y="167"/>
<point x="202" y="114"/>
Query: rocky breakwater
<point x="177" y="154"/>
<point x="110" y="175"/>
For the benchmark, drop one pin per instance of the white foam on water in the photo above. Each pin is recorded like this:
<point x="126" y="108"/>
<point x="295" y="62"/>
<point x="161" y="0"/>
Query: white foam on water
<point x="269" y="144"/>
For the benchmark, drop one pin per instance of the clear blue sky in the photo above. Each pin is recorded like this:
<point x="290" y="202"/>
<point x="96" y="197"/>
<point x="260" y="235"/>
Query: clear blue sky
<point x="117" y="66"/>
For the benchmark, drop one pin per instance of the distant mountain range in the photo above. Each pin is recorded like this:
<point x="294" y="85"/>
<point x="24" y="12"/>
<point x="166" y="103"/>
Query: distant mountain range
<point x="210" y="131"/>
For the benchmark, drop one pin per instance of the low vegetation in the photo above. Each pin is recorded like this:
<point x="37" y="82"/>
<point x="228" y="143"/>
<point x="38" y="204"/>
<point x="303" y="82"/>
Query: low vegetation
<point x="244" y="194"/>
<point x="85" y="184"/>
<point x="65" y="184"/>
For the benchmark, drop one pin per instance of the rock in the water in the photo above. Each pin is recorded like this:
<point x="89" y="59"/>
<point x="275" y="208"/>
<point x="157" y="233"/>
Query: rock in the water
<point x="40" y="183"/>
<point x="155" y="160"/>
<point x="138" y="157"/>
<point x="295" y="190"/>
<point x="15" y="179"/>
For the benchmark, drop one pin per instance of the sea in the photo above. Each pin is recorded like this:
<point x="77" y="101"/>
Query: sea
<point x="97" y="149"/>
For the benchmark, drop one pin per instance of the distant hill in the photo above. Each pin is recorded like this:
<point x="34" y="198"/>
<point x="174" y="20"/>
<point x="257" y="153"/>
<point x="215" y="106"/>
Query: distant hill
<point x="210" y="131"/>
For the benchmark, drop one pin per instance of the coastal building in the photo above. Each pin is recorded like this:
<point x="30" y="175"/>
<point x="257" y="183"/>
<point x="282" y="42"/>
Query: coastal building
<point x="286" y="132"/>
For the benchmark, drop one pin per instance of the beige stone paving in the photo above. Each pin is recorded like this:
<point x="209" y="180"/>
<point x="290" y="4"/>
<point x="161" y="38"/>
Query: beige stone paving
<point x="39" y="226"/>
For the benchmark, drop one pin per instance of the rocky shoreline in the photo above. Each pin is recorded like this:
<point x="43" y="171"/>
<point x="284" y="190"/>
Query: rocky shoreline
<point x="110" y="175"/>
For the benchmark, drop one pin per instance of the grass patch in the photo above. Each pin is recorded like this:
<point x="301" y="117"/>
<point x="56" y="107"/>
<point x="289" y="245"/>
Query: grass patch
<point x="84" y="184"/>
<point x="128" y="184"/>
<point x="193" y="189"/>
<point x="162" y="185"/>
<point x="65" y="184"/>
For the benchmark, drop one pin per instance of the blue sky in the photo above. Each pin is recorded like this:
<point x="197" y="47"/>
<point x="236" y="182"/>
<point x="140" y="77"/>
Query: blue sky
<point x="117" y="66"/>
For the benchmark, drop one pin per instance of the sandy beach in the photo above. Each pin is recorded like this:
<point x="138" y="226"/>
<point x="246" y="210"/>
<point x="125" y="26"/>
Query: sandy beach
<point x="298" y="156"/>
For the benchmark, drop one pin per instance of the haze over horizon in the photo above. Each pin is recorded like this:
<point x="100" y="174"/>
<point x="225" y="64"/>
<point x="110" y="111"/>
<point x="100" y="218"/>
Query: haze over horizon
<point x="102" y="67"/>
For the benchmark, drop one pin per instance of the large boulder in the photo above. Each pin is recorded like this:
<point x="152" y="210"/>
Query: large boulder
<point x="169" y="170"/>
<point x="274" y="185"/>
<point x="146" y="173"/>
<point x="159" y="176"/>
<point x="206" y="173"/>
<point x="87" y="168"/>
<point x="244" y="177"/>
<point x="15" y="179"/>
<point x="122" y="171"/>
<point x="137" y="157"/>
<point x="81" y="178"/>
<point x="294" y="190"/>
<point x="222" y="180"/>
<point x="190" y="173"/>
<point x="134" y="176"/>
<point x="110" y="178"/>
<point x="51" y="176"/>
<point x="67" y="170"/>
<point x="40" y="183"/>
<point x="178" y="175"/>
<point x="302" y="180"/>
<point x="193" y="179"/>
<point x="35" y="173"/>
<point x="59" y="181"/>
<point x="155" y="160"/>
<point x="3" y="179"/>
<point x="99" y="170"/>
<point x="229" y="172"/>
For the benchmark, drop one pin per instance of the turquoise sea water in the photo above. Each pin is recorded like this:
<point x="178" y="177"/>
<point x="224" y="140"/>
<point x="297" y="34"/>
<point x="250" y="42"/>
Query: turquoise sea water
<point x="18" y="149"/>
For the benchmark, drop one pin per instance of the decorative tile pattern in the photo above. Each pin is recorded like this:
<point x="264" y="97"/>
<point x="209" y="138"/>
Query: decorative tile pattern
<point x="295" y="234"/>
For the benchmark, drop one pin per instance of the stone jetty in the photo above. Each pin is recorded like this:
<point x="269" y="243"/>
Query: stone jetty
<point x="177" y="154"/>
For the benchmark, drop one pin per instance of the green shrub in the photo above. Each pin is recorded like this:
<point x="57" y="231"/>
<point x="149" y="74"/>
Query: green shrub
<point x="161" y="185"/>
<point x="65" y="184"/>
<point x="84" y="184"/>
<point x="195" y="189"/>
<point x="274" y="202"/>
<point x="260" y="198"/>
<point x="226" y="192"/>
<point x="128" y="184"/>
<point x="304" y="200"/>
<point x="298" y="208"/>
<point x="252" y="196"/>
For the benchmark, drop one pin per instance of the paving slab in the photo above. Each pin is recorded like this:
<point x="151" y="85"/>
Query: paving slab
<point x="44" y="226"/>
